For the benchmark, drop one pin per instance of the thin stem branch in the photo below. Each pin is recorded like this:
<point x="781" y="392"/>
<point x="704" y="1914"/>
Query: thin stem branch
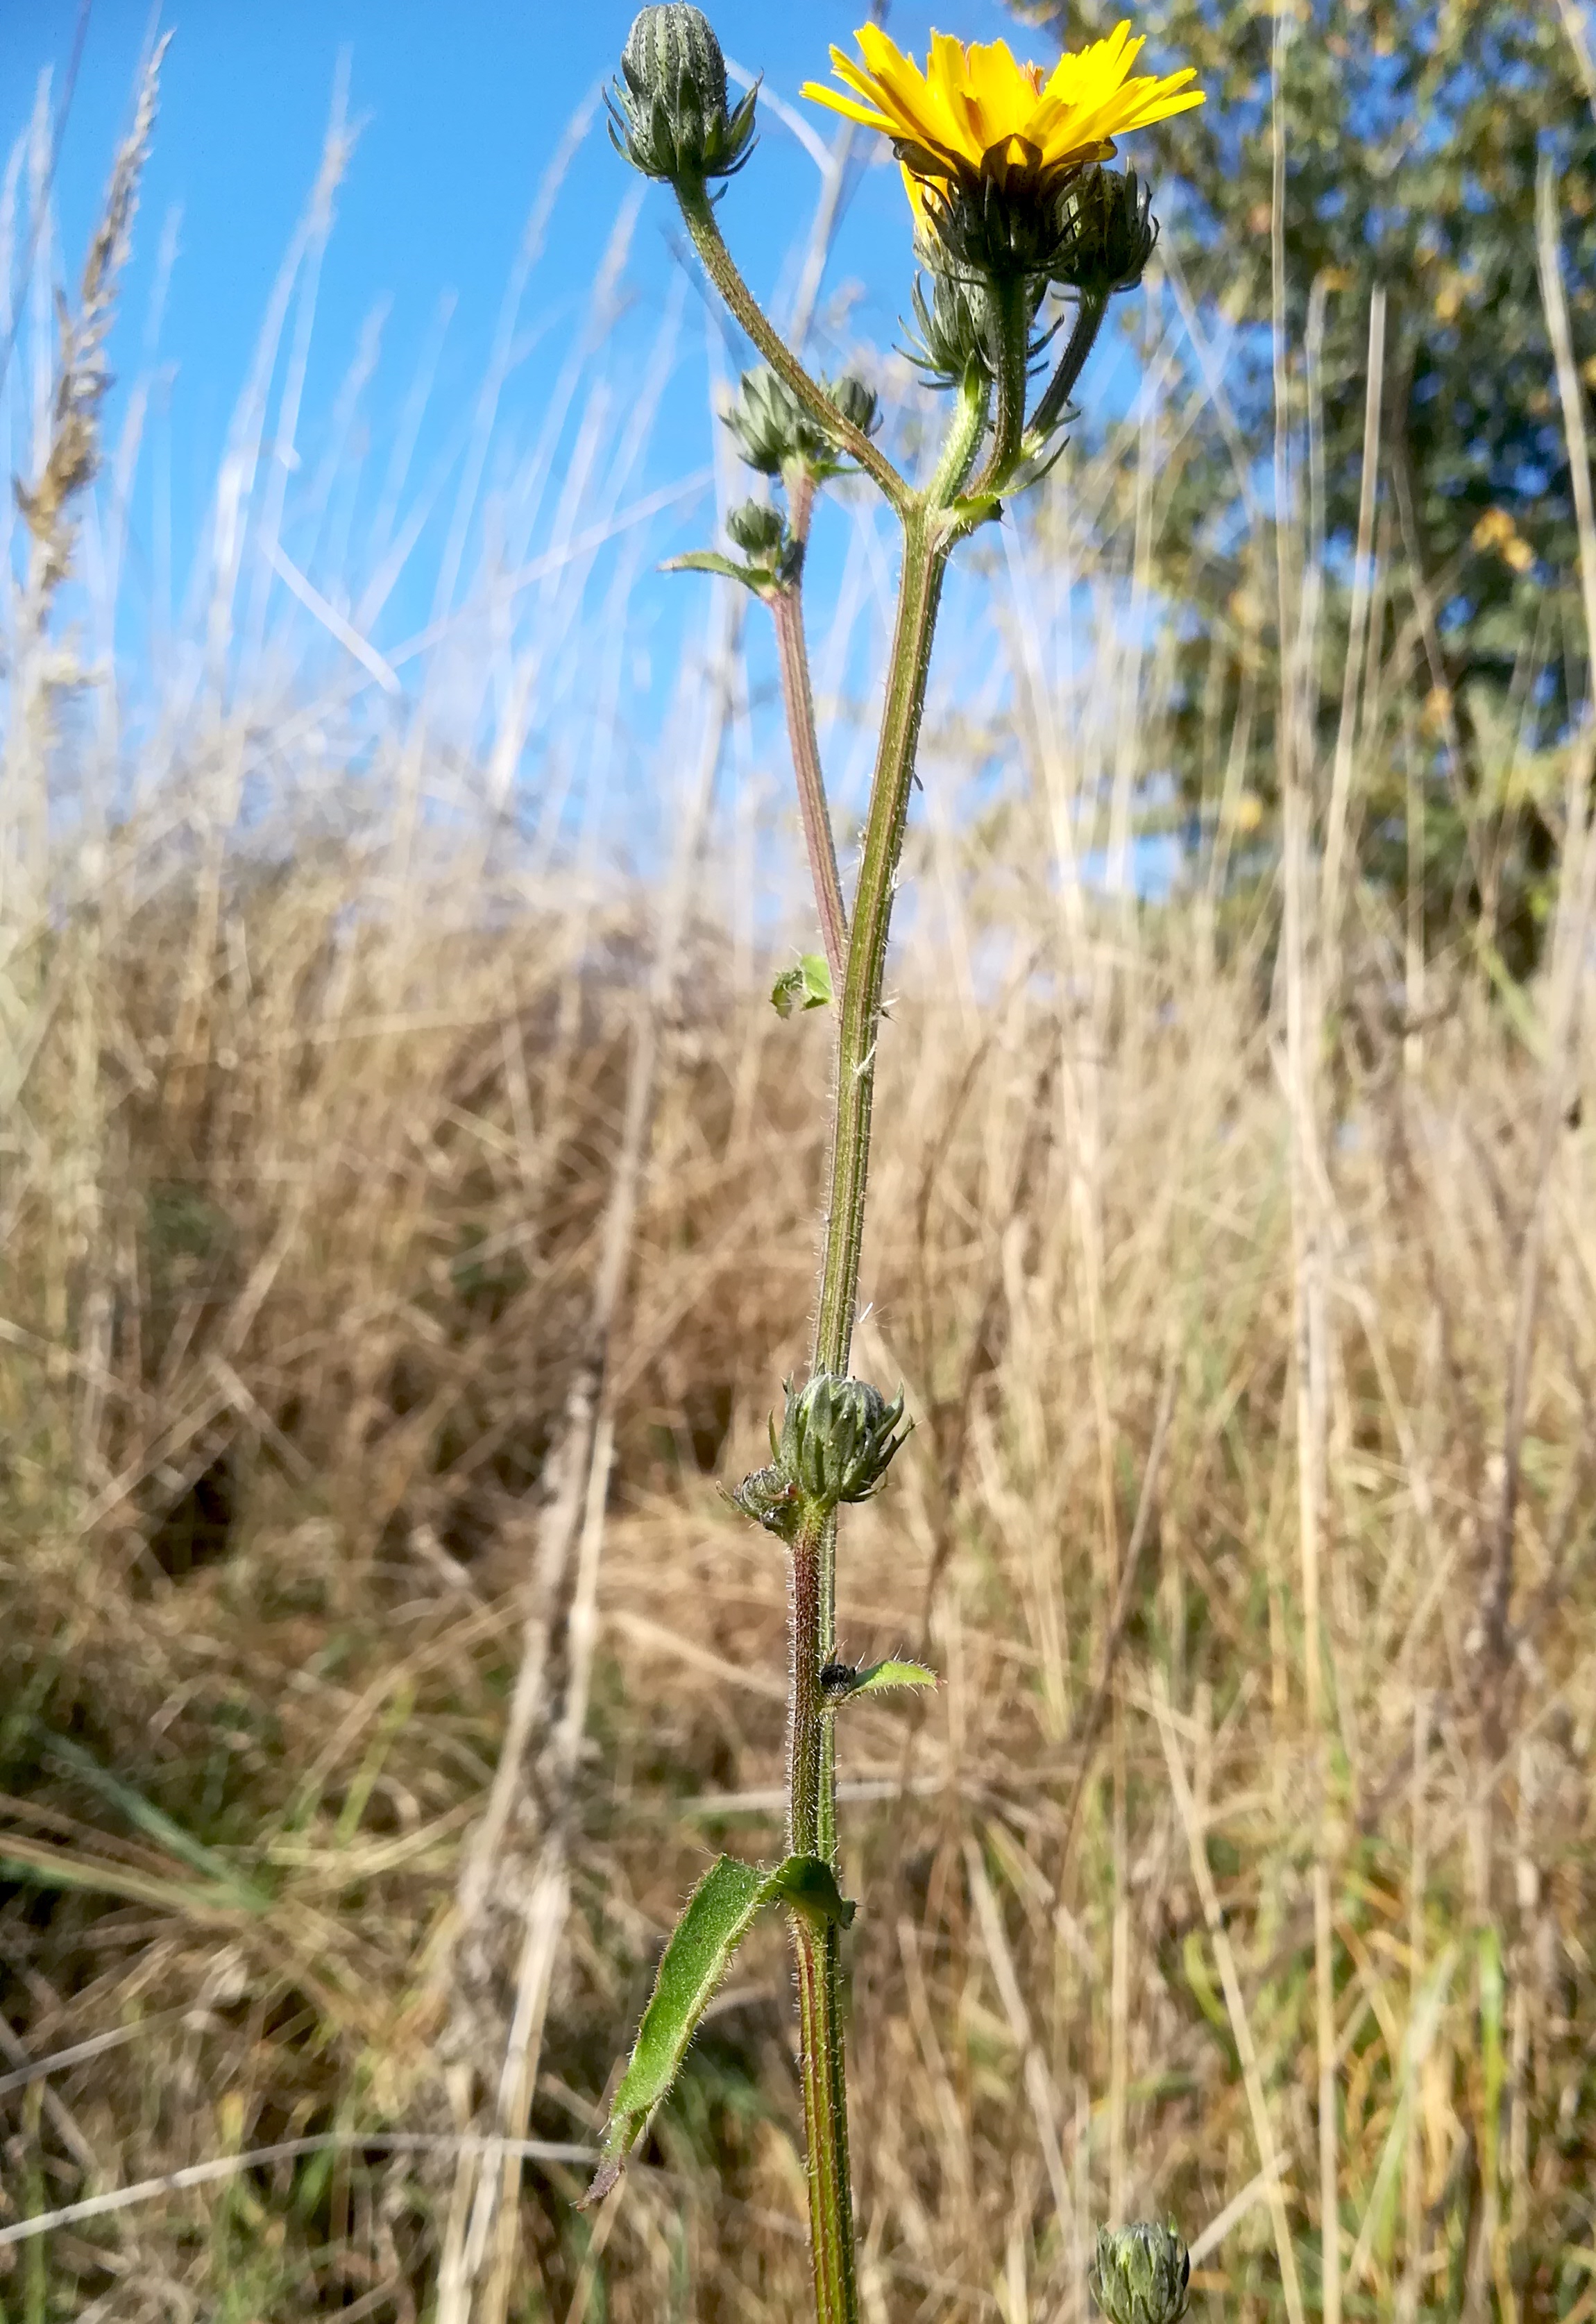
<point x="1081" y="339"/>
<point x="698" y="212"/>
<point x="924" y="559"/>
<point x="1011" y="300"/>
<point x="787" y="609"/>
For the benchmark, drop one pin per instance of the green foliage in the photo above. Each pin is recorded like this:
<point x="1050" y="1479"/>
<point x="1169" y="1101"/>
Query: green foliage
<point x="1414" y="129"/>
<point x="807" y="986"/>
<point x="840" y="1682"/>
<point x="719" y="1913"/>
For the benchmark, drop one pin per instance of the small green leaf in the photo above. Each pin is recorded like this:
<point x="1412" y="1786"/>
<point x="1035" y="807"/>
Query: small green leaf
<point x="757" y="578"/>
<point x="718" y="1915"/>
<point x="877" y="1677"/>
<point x="807" y="986"/>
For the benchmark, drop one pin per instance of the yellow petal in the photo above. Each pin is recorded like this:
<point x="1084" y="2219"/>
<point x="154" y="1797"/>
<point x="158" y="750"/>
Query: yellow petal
<point x="848" y="106"/>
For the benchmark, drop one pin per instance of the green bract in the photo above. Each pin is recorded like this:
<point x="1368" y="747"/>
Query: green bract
<point x="667" y="111"/>
<point x="1141" y="2275"/>
<point x="983" y="231"/>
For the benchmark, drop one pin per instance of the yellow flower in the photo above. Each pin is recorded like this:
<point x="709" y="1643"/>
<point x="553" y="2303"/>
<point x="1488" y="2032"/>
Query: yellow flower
<point x="977" y="115"/>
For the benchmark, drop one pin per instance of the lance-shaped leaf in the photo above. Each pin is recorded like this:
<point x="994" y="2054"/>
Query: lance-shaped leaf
<point x="718" y="1915"/>
<point x="880" y="1676"/>
<point x="760" y="578"/>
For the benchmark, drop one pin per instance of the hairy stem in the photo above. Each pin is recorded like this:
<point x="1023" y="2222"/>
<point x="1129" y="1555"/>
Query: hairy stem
<point x="826" y="2122"/>
<point x="786" y="608"/>
<point x="927" y="535"/>
<point x="1081" y="339"/>
<point x="1010" y="295"/>
<point x="698" y="212"/>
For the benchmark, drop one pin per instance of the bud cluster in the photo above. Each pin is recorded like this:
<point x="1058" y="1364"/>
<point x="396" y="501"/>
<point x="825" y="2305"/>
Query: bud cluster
<point x="1141" y="2275"/>
<point x="667" y="111"/>
<point x="838" y="1439"/>
<point x="775" y="434"/>
<point x="1093" y="235"/>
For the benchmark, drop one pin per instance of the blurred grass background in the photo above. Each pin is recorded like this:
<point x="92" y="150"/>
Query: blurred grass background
<point x="366" y="1108"/>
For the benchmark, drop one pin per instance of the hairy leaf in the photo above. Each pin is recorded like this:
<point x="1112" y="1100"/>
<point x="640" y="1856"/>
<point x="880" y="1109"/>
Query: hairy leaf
<point x="719" y="1913"/>
<point x="875" y="1678"/>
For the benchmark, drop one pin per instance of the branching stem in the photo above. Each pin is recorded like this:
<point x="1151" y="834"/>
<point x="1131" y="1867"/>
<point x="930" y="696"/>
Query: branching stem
<point x="698" y="212"/>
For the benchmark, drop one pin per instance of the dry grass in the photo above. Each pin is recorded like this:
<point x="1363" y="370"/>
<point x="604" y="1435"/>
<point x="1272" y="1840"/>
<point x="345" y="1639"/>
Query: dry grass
<point x="307" y="1158"/>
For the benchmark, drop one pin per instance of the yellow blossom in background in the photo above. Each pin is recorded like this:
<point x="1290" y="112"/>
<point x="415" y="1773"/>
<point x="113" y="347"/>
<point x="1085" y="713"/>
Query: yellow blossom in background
<point x="976" y="116"/>
<point x="1495" y="530"/>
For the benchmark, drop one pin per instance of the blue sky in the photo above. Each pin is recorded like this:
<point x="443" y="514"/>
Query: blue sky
<point x="459" y="109"/>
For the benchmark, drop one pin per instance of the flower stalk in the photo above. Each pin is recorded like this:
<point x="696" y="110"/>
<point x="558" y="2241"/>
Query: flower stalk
<point x="798" y="696"/>
<point x="1009" y="201"/>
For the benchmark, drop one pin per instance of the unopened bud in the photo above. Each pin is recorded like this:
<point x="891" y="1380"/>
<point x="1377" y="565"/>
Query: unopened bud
<point x="667" y="111"/>
<point x="757" y="529"/>
<point x="1141" y="2275"/>
<point x="1112" y="233"/>
<point x="839" y="1439"/>
<point x="762" y="534"/>
<point x="859" y="405"/>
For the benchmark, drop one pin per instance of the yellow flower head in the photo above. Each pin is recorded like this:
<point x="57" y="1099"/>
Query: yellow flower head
<point x="975" y="115"/>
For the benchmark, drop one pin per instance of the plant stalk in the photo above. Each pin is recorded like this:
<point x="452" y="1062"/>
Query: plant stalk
<point x="927" y="538"/>
<point x="1081" y="339"/>
<point x="787" y="610"/>
<point x="698" y="213"/>
<point x="1010" y="295"/>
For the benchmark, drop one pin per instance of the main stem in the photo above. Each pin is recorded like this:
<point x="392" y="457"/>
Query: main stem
<point x="812" y="1778"/>
<point x="811" y="1765"/>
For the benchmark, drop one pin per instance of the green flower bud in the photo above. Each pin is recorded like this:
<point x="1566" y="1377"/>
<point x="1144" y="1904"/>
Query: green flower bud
<point x="950" y="333"/>
<point x="1111" y="233"/>
<point x="839" y="1439"/>
<point x="757" y="529"/>
<point x="774" y="433"/>
<point x="772" y="1500"/>
<point x="760" y="532"/>
<point x="859" y="405"/>
<point x="667" y="111"/>
<point x="772" y="428"/>
<point x="1141" y="2275"/>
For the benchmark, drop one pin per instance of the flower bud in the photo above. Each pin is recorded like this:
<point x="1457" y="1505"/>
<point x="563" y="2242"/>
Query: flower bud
<point x="772" y="428"/>
<point x="762" y="534"/>
<point x="1141" y="2275"/>
<point x="771" y="1499"/>
<point x="950" y="332"/>
<point x="859" y="405"/>
<point x="757" y="529"/>
<point x="667" y="111"/>
<point x="839" y="1439"/>
<point x="1111" y="236"/>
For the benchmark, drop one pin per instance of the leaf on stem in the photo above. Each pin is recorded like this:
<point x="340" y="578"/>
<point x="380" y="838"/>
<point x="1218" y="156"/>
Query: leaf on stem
<point x="807" y="986"/>
<point x="718" y="1915"/>
<point x="841" y="1685"/>
<point x="760" y="578"/>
